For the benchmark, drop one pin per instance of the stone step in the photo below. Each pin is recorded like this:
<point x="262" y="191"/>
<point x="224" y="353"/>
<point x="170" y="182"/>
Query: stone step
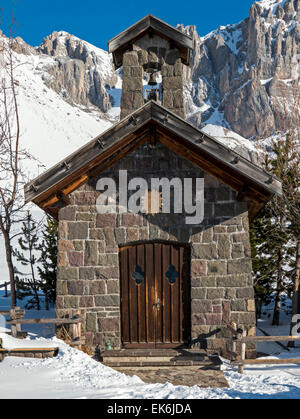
<point x="116" y="359"/>
<point x="157" y="353"/>
<point x="162" y="364"/>
<point x="158" y="358"/>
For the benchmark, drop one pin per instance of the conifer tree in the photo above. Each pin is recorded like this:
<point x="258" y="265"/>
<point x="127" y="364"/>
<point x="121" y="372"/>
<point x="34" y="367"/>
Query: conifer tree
<point x="291" y="197"/>
<point x="287" y="168"/>
<point x="48" y="259"/>
<point x="259" y="229"/>
<point x="27" y="283"/>
<point x="273" y="244"/>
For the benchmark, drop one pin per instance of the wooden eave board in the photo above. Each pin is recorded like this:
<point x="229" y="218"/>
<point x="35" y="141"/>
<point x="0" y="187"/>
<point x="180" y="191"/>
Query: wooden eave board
<point x="86" y="155"/>
<point x="216" y="152"/>
<point x="188" y="141"/>
<point x="118" y="45"/>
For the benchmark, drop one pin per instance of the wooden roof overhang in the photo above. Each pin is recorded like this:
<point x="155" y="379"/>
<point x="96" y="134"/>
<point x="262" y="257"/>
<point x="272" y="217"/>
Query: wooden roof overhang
<point x="152" y="123"/>
<point x="154" y="26"/>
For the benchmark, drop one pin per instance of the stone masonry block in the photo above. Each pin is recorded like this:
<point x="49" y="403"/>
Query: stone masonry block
<point x="91" y="322"/>
<point x="107" y="301"/>
<point x="235" y="281"/>
<point x="198" y="268"/>
<point x="204" y="251"/>
<point x="75" y="287"/>
<point x="67" y="213"/>
<point x="171" y="83"/>
<point x="216" y="267"/>
<point x="245" y="292"/>
<point x="97" y="287"/>
<point x="106" y="220"/>
<point x="200" y="306"/>
<point x="67" y="273"/>
<point x="75" y="258"/>
<point x="198" y="293"/>
<point x="109" y="324"/>
<point x="130" y="59"/>
<point x="91" y="253"/>
<point x="224" y="246"/>
<point x="239" y="266"/>
<point x="132" y="84"/>
<point x="78" y="230"/>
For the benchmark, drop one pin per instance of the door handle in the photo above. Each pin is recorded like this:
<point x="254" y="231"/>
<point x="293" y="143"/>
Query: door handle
<point x="157" y="304"/>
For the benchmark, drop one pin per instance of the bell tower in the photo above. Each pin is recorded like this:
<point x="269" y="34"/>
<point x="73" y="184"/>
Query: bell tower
<point x="152" y="54"/>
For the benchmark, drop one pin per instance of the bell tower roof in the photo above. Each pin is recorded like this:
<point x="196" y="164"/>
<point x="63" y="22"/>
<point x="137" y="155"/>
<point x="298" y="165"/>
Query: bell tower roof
<point x="150" y="25"/>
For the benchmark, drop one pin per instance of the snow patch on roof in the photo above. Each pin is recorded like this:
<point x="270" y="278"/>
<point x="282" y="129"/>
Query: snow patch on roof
<point x="228" y="137"/>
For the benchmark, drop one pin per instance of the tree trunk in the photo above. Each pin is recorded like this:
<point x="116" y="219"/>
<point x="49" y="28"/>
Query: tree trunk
<point x="277" y="306"/>
<point x="34" y="285"/>
<point x="296" y="293"/>
<point x="46" y="301"/>
<point x="258" y="306"/>
<point x="10" y="268"/>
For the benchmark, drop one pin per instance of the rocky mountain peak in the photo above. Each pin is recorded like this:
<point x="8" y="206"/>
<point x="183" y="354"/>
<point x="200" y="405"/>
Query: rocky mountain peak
<point x="241" y="77"/>
<point x="240" y="71"/>
<point x="80" y="71"/>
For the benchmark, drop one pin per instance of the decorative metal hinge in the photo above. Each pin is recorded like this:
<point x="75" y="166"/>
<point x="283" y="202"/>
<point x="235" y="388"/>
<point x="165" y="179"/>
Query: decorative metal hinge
<point x="236" y="160"/>
<point x="165" y="119"/>
<point x="66" y="165"/>
<point x="100" y="143"/>
<point x="200" y="140"/>
<point x="133" y="120"/>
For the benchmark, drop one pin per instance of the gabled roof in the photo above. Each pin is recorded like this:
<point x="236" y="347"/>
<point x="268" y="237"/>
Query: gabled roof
<point x="149" y="24"/>
<point x="152" y="123"/>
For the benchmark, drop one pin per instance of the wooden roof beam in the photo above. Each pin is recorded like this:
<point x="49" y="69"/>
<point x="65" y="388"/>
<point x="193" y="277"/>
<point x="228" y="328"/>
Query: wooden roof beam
<point x="152" y="25"/>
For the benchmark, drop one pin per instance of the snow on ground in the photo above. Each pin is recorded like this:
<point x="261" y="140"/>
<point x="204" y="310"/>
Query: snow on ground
<point x="73" y="374"/>
<point x="51" y="128"/>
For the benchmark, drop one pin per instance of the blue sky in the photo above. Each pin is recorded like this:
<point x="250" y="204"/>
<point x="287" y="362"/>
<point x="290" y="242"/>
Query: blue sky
<point x="99" y="21"/>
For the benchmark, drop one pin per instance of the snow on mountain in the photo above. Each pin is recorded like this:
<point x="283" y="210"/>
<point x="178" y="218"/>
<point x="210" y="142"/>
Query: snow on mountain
<point x="246" y="73"/>
<point x="51" y="128"/>
<point x="271" y="4"/>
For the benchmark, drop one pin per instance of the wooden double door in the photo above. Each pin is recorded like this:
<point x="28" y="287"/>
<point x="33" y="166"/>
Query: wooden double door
<point x="155" y="295"/>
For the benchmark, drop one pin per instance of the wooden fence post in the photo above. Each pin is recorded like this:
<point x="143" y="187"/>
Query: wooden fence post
<point x="16" y="314"/>
<point x="243" y="354"/>
<point x="14" y="331"/>
<point x="234" y="326"/>
<point x="75" y="328"/>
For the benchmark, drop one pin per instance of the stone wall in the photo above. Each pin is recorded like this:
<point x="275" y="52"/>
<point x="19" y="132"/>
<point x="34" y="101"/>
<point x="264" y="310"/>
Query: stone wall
<point x="132" y="86"/>
<point x="88" y="273"/>
<point x="158" y="50"/>
<point x="172" y="83"/>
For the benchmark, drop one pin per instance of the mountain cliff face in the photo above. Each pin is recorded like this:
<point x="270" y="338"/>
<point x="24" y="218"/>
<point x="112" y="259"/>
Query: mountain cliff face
<point x="81" y="72"/>
<point x="243" y="76"/>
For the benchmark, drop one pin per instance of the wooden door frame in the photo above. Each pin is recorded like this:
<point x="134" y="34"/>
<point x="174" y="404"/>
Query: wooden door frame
<point x="156" y="345"/>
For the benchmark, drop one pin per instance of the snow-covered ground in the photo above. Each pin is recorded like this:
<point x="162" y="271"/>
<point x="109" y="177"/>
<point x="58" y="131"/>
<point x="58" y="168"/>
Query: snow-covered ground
<point x="73" y="374"/>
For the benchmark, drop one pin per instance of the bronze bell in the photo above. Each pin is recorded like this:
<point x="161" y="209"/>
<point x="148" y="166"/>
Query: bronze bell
<point x="152" y="95"/>
<point x="152" y="80"/>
